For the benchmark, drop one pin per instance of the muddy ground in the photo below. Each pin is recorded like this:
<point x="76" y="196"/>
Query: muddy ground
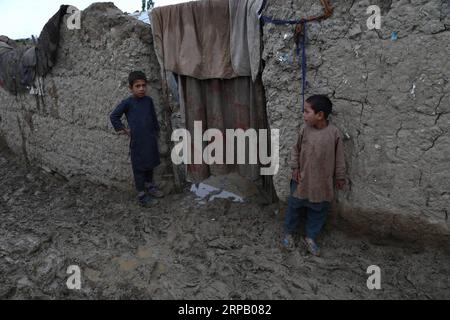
<point x="183" y="249"/>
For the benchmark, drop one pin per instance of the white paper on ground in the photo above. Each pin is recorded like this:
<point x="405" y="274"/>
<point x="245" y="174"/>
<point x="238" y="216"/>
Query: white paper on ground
<point x="206" y="191"/>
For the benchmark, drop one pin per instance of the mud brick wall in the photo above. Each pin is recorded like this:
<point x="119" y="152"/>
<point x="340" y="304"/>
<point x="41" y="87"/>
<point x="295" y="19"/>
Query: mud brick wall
<point x="67" y="129"/>
<point x="391" y="100"/>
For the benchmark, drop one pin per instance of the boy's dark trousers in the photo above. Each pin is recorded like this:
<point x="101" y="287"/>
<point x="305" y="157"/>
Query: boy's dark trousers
<point x="316" y="214"/>
<point x="141" y="178"/>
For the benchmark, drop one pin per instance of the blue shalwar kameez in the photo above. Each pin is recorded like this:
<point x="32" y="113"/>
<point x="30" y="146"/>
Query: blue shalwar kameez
<point x="144" y="127"/>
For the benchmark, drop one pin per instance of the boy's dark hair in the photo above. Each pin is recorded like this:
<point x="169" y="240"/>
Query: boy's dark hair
<point x="319" y="103"/>
<point x="135" y="76"/>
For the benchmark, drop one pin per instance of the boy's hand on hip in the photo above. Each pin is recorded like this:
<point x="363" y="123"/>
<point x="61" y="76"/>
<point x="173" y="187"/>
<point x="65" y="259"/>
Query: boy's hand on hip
<point x="340" y="184"/>
<point x="125" y="131"/>
<point x="296" y="175"/>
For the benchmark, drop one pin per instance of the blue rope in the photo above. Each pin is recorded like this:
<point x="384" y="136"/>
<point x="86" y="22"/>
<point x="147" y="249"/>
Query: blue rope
<point x="280" y="22"/>
<point x="303" y="63"/>
<point x="301" y="48"/>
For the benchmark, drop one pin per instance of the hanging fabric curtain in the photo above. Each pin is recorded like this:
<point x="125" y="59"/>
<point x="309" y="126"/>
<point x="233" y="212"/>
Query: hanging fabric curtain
<point x="214" y="48"/>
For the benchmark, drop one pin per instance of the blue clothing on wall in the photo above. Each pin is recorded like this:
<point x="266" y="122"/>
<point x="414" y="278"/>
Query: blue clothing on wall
<point x="144" y="127"/>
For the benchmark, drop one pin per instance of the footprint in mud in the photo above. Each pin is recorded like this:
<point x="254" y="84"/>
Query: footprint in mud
<point x="247" y="265"/>
<point x="225" y="270"/>
<point x="126" y="264"/>
<point x="92" y="274"/>
<point x="162" y="223"/>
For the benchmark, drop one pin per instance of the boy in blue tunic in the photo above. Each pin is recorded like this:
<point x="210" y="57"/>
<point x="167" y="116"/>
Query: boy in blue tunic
<point x="143" y="132"/>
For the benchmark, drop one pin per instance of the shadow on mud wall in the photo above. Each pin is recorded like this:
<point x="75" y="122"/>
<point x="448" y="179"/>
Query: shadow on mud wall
<point x="383" y="228"/>
<point x="390" y="227"/>
<point x="4" y="149"/>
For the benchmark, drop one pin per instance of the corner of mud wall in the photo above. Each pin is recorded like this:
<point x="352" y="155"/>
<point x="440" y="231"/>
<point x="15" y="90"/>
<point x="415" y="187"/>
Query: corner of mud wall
<point x="391" y="101"/>
<point x="67" y="129"/>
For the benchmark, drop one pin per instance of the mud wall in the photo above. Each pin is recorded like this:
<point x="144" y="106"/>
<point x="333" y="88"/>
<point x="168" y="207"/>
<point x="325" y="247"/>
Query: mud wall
<point x="391" y="100"/>
<point x="67" y="129"/>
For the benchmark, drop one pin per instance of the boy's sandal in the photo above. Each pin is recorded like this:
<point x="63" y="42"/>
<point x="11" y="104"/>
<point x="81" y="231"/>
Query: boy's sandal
<point x="155" y="192"/>
<point x="146" y="201"/>
<point x="288" y="243"/>
<point x="311" y="246"/>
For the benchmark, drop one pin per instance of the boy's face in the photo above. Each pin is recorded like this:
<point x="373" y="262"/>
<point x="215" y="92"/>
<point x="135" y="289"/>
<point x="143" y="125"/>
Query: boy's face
<point x="310" y="117"/>
<point x="139" y="88"/>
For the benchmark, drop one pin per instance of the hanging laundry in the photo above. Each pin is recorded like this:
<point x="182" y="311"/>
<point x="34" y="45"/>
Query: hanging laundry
<point x="193" y="39"/>
<point x="48" y="42"/>
<point x="28" y="67"/>
<point x="20" y="64"/>
<point x="208" y="45"/>
<point x="245" y="39"/>
<point x="4" y="47"/>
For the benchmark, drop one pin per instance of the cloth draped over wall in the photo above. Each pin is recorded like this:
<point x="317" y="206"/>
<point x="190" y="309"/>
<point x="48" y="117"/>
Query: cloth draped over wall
<point x="245" y="43"/>
<point x="20" y="64"/>
<point x="209" y="39"/>
<point x="48" y="42"/>
<point x="214" y="47"/>
<point x="222" y="104"/>
<point x="193" y="39"/>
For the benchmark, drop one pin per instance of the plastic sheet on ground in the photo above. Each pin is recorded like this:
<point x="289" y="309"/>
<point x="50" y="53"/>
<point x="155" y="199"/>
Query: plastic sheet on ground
<point x="204" y="191"/>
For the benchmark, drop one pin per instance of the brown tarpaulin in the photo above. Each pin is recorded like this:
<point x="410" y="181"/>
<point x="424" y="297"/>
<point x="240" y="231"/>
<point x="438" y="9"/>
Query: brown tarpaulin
<point x="19" y="65"/>
<point x="222" y="104"/>
<point x="194" y="40"/>
<point x="245" y="36"/>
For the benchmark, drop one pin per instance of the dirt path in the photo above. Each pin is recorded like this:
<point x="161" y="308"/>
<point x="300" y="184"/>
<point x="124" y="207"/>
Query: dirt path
<point x="181" y="249"/>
